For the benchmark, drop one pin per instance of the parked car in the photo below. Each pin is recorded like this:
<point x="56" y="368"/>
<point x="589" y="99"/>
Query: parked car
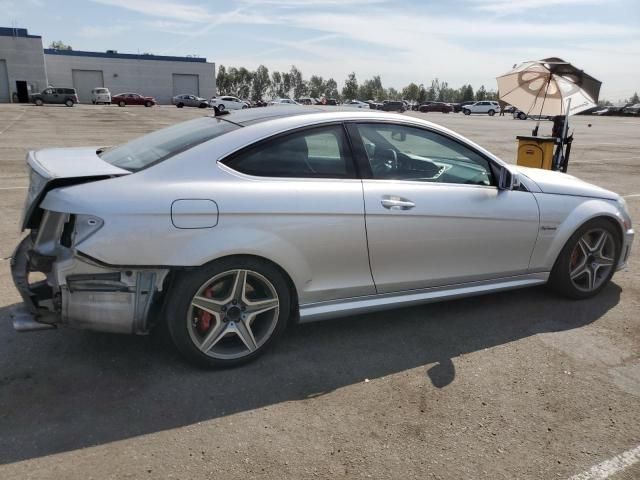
<point x="486" y="106"/>
<point x="235" y="226"/>
<point x="64" y="96"/>
<point x="356" y="104"/>
<point x="187" y="100"/>
<point x="123" y="99"/>
<point x="283" y="101"/>
<point x="632" y="110"/>
<point x="100" y="95"/>
<point x="374" y="105"/>
<point x="227" y="102"/>
<point x="393" y="106"/>
<point x="520" y="115"/>
<point x="435" y="107"/>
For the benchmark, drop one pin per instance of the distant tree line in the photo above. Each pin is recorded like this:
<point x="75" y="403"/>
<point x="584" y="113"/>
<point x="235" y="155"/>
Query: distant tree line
<point x="259" y="84"/>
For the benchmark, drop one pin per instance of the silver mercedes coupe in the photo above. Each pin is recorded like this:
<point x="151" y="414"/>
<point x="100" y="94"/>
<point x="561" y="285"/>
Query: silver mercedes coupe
<point x="226" y="229"/>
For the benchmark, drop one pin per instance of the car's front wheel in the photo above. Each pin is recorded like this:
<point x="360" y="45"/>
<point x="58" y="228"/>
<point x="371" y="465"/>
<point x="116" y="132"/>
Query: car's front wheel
<point x="491" y="113"/>
<point x="466" y="111"/>
<point x="587" y="261"/>
<point x="148" y="104"/>
<point x="121" y="103"/>
<point x="228" y="312"/>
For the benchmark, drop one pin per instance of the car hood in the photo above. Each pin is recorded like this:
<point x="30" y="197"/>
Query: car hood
<point x="563" y="184"/>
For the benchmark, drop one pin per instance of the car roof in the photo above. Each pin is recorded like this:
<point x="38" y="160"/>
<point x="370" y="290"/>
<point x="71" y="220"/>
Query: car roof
<point x="251" y="116"/>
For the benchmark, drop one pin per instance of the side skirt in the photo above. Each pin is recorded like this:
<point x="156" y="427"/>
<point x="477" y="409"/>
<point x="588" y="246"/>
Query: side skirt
<point x="352" y="306"/>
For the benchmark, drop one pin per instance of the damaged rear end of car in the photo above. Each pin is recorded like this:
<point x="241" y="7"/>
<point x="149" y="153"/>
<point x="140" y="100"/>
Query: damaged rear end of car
<point x="57" y="283"/>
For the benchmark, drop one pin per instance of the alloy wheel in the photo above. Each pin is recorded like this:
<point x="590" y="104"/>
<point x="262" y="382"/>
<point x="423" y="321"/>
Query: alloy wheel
<point x="592" y="260"/>
<point x="233" y="314"/>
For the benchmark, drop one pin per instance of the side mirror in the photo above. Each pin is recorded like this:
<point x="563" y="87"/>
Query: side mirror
<point x="508" y="180"/>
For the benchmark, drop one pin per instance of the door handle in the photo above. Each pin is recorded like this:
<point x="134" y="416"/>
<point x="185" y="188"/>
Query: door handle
<point x="393" y="202"/>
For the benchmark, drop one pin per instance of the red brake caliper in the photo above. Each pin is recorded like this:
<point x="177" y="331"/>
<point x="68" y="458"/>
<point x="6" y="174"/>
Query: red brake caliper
<point x="574" y="258"/>
<point x="204" y="318"/>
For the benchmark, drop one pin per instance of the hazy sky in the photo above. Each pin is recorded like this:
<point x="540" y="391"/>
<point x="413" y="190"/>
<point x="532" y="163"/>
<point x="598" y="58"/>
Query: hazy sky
<point x="458" y="41"/>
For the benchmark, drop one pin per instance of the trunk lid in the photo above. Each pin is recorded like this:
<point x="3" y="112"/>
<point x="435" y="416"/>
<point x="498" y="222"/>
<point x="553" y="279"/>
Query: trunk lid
<point x="56" y="167"/>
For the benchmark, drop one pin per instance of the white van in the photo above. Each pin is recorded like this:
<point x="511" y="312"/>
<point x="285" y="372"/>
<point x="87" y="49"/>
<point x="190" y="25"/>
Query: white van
<point x="100" y="95"/>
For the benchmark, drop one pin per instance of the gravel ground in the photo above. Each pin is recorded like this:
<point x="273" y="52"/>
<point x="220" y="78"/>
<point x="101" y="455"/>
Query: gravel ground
<point x="519" y="385"/>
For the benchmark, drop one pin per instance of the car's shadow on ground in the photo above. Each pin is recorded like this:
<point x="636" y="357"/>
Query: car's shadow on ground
<point x="64" y="390"/>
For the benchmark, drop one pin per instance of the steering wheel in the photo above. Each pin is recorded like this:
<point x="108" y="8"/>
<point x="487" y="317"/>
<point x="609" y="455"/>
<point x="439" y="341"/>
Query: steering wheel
<point x="385" y="161"/>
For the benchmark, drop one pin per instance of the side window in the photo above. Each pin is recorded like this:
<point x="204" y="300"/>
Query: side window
<point x="321" y="152"/>
<point x="60" y="90"/>
<point x="401" y="152"/>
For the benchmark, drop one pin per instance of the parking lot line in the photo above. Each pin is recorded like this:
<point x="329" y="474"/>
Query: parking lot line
<point x="13" y="188"/>
<point x="609" y="467"/>
<point x="12" y="122"/>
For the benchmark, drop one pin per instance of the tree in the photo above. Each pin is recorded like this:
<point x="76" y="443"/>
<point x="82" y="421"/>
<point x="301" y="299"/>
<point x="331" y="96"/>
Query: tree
<point x="635" y="99"/>
<point x="60" y="45"/>
<point x="331" y="89"/>
<point x="276" y="85"/>
<point x="411" y="92"/>
<point x="222" y="81"/>
<point x="316" y="86"/>
<point x="466" y="93"/>
<point x="350" y="89"/>
<point x="422" y="94"/>
<point x="481" y="94"/>
<point x="260" y="83"/>
<point x="298" y="85"/>
<point x="393" y="94"/>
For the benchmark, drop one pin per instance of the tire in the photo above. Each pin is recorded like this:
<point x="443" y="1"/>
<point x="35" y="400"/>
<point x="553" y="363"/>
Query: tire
<point x="202" y="105"/>
<point x="121" y="103"/>
<point x="68" y="102"/>
<point x="180" y="105"/>
<point x="491" y="113"/>
<point x="188" y="325"/>
<point x="466" y="111"/>
<point x="221" y="108"/>
<point x="570" y="275"/>
<point x="148" y="104"/>
<point x="244" y="106"/>
<point x="94" y="102"/>
<point x="522" y="116"/>
<point x="39" y="102"/>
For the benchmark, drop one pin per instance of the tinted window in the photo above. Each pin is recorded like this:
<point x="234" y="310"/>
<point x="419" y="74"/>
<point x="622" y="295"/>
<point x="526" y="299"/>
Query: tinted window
<point x="162" y="144"/>
<point x="409" y="153"/>
<point x="316" y="153"/>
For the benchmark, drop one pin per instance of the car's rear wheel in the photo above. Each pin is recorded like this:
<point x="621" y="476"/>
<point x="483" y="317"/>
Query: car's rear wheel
<point x="221" y="108"/>
<point x="121" y="103"/>
<point x="39" y="102"/>
<point x="228" y="312"/>
<point x="587" y="261"/>
<point x="68" y="102"/>
<point x="466" y="111"/>
<point x="491" y="113"/>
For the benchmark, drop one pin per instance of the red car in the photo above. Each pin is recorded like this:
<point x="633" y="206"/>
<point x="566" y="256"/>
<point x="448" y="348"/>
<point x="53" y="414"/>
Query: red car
<point x="123" y="99"/>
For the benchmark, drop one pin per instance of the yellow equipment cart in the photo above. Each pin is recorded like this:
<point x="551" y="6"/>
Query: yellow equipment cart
<point x="536" y="152"/>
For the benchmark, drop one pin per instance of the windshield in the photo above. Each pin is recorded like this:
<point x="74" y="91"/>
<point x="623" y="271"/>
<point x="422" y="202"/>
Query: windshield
<point x="162" y="144"/>
<point x="101" y="90"/>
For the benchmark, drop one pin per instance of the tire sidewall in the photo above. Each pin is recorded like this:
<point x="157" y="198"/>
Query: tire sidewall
<point x="559" y="279"/>
<point x="187" y="284"/>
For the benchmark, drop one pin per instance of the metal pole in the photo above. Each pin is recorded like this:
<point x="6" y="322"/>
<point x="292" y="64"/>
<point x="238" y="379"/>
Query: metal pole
<point x="565" y="130"/>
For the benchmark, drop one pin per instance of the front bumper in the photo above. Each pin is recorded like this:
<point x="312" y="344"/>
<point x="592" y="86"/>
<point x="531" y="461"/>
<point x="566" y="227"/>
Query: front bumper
<point x="78" y="291"/>
<point x="627" y="242"/>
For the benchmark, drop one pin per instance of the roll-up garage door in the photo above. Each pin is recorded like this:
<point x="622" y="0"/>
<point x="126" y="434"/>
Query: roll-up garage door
<point x="4" y="82"/>
<point x="183" y="83"/>
<point x="86" y="80"/>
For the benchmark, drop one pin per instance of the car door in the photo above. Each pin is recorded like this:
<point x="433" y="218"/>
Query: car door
<point x="434" y="215"/>
<point x="310" y="201"/>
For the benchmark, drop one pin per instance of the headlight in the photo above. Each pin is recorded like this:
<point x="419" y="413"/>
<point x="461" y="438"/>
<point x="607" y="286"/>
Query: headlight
<point x="85" y="226"/>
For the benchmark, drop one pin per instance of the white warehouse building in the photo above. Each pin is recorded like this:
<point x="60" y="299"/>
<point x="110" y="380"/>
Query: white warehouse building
<point x="159" y="76"/>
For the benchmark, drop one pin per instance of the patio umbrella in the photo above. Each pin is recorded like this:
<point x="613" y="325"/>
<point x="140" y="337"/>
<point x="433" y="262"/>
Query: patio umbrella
<point x="549" y="87"/>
